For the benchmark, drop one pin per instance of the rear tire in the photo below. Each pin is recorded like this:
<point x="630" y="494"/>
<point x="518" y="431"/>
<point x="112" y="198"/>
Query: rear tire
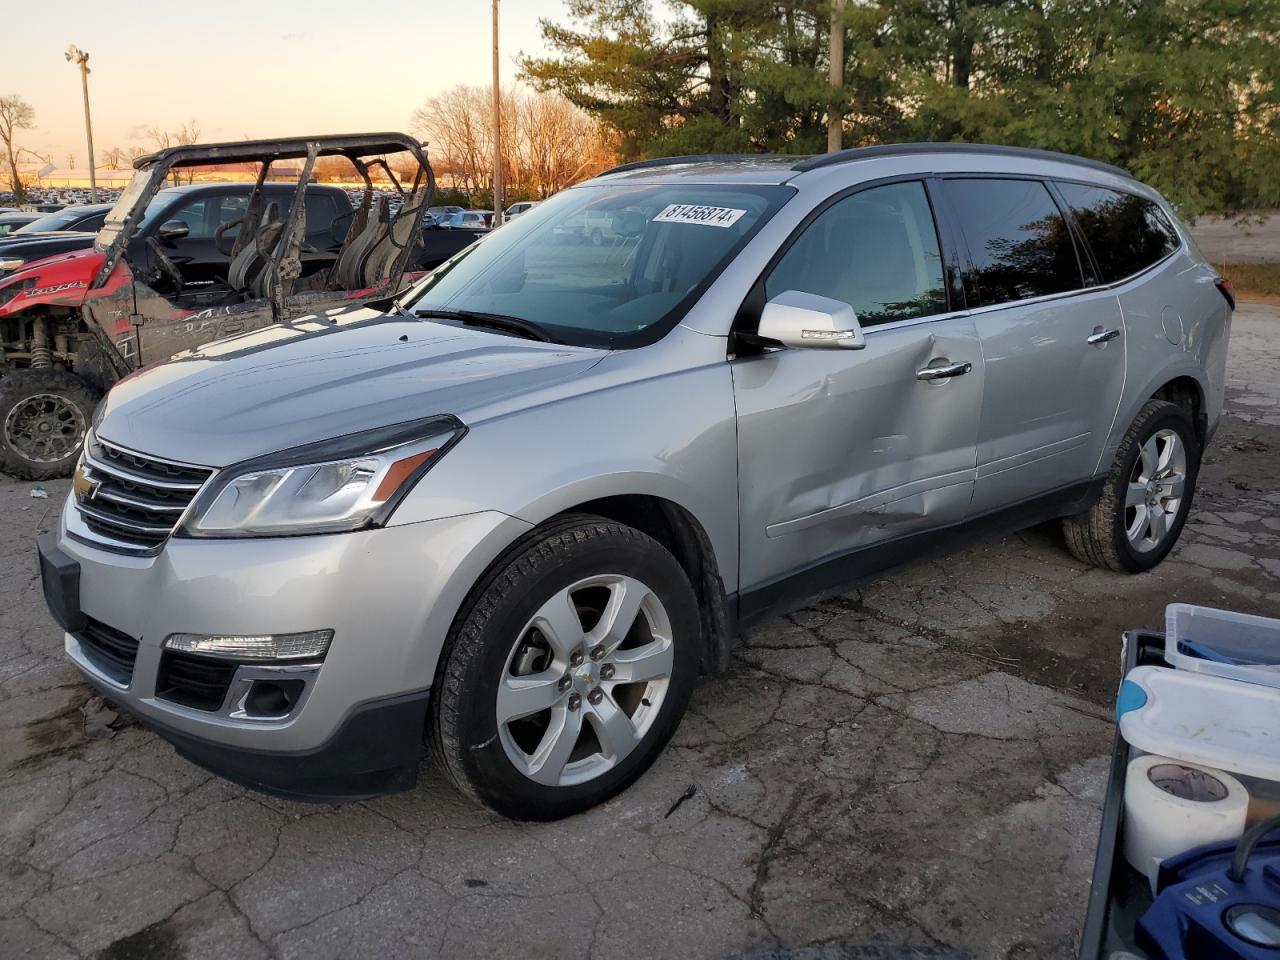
<point x="597" y="624"/>
<point x="44" y="415"/>
<point x="1147" y="495"/>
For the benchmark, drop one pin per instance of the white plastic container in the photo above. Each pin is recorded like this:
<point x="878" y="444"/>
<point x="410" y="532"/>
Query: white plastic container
<point x="1223" y="643"/>
<point x="1202" y="719"/>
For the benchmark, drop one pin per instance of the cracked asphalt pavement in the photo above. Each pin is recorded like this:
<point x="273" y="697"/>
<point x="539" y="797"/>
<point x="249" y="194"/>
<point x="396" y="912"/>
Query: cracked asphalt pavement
<point x="910" y="769"/>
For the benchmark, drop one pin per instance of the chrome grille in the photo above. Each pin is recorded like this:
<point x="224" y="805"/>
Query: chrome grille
<point x="132" y="501"/>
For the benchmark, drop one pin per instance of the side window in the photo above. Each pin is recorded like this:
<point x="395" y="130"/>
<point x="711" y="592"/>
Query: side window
<point x="318" y="211"/>
<point x="1126" y="233"/>
<point x="1017" y="237"/>
<point x="876" y="250"/>
<point x="194" y="215"/>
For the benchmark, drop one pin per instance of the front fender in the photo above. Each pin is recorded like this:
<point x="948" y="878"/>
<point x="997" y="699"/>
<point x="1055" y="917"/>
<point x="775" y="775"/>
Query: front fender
<point x="672" y="437"/>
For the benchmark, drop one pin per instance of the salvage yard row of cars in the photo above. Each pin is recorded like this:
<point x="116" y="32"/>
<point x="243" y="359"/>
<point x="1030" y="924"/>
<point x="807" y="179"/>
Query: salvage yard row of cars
<point x="517" y="505"/>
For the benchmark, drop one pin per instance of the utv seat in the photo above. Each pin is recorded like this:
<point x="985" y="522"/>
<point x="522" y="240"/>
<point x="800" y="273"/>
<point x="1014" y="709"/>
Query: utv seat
<point x="248" y="266"/>
<point x="349" y="271"/>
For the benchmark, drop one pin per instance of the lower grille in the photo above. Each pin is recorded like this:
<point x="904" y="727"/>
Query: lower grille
<point x="131" y="501"/>
<point x="109" y="650"/>
<point x="197" y="682"/>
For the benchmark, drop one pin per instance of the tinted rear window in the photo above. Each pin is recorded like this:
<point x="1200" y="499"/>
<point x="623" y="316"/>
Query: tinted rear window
<point x="1126" y="233"/>
<point x="1017" y="237"/>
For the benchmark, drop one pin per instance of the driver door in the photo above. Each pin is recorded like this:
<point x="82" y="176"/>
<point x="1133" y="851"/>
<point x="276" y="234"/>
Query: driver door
<point x="202" y="265"/>
<point x="841" y="450"/>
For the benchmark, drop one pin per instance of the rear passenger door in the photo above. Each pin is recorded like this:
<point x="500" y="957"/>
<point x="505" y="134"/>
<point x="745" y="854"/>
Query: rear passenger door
<point x="840" y="450"/>
<point x="1054" y="350"/>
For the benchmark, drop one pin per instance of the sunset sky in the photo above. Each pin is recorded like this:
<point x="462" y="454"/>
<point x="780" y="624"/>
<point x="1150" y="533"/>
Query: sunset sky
<point x="237" y="67"/>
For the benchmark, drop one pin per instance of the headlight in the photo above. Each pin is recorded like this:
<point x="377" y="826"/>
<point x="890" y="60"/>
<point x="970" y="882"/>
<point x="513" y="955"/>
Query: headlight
<point x="335" y="485"/>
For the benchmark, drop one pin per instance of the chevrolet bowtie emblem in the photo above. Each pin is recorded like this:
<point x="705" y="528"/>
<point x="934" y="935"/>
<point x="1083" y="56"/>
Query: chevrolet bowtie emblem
<point x="85" y="487"/>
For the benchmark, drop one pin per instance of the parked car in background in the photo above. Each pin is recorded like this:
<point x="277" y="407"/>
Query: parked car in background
<point x="69" y="229"/>
<point x="9" y="222"/>
<point x="466" y="220"/>
<point x="520" y="509"/>
<point x="437" y="215"/>
<point x="516" y="209"/>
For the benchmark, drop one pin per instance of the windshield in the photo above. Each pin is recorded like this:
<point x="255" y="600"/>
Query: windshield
<point x="119" y="212"/>
<point x="604" y="265"/>
<point x="54" y="221"/>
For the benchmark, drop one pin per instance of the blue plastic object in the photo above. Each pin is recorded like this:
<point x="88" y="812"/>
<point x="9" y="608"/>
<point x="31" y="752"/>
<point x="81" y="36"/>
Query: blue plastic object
<point x="1200" y="912"/>
<point x="1130" y="697"/>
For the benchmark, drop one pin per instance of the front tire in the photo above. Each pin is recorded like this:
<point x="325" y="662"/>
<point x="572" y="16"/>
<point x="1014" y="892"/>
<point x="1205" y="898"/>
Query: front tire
<point x="1147" y="494"/>
<point x="44" y="415"/>
<point x="567" y="671"/>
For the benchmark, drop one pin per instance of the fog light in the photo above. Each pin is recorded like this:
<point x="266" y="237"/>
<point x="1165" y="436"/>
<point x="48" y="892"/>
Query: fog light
<point x="272" y="698"/>
<point x="311" y="645"/>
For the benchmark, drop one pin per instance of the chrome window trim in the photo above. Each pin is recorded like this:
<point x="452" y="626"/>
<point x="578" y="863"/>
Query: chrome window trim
<point x="1046" y="298"/>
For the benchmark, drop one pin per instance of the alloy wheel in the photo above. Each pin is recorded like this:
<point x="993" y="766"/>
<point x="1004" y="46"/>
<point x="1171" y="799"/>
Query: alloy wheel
<point x="1155" y="491"/>
<point x="44" y="428"/>
<point x="585" y="680"/>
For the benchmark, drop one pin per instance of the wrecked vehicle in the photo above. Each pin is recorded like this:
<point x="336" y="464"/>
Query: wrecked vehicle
<point x="521" y="508"/>
<point x="175" y="267"/>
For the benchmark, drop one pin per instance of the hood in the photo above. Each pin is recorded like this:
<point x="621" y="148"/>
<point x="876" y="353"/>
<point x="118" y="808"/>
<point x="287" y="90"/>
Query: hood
<point x="81" y="261"/>
<point x="32" y="244"/>
<point x="324" y="377"/>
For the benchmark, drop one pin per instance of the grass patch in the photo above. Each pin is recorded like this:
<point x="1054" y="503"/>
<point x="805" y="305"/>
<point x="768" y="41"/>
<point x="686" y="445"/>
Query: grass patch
<point x="1255" y="278"/>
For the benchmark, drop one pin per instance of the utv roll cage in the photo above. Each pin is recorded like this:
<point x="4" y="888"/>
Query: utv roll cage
<point x="266" y="262"/>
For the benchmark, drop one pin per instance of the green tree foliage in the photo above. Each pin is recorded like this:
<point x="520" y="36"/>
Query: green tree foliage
<point x="1181" y="92"/>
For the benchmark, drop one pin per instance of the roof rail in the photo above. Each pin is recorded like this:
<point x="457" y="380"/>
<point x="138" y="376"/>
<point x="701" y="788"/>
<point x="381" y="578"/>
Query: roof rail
<point x="902" y="149"/>
<point x="694" y="158"/>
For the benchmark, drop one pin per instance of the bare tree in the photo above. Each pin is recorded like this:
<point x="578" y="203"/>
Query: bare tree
<point x="114" y="158"/>
<point x="16" y="114"/>
<point x="187" y="134"/>
<point x="547" y="142"/>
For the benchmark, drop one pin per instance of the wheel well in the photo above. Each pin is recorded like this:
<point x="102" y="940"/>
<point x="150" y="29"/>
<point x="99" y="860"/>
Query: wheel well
<point x="680" y="532"/>
<point x="1185" y="392"/>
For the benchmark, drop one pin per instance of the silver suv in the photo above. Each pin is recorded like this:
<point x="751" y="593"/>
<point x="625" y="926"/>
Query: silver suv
<point x="521" y="509"/>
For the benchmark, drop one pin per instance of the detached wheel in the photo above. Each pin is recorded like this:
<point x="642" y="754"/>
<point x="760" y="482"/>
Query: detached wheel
<point x="44" y="415"/>
<point x="567" y="672"/>
<point x="1147" y="496"/>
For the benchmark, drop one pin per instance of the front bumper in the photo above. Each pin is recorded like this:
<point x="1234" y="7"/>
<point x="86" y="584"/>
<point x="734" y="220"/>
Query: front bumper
<point x="389" y="595"/>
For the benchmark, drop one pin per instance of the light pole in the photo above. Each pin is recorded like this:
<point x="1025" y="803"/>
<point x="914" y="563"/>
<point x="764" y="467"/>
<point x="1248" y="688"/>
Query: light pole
<point x="81" y="57"/>
<point x="497" y="128"/>
<point x="835" y="109"/>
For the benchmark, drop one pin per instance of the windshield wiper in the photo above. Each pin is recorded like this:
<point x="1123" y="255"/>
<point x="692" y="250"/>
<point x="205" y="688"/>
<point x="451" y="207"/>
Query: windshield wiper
<point x="495" y="321"/>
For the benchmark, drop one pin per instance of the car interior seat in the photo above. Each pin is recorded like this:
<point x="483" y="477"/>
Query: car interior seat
<point x="249" y="264"/>
<point x="349" y="271"/>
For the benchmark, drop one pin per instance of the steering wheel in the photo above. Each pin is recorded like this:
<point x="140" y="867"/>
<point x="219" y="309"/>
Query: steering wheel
<point x="167" y="266"/>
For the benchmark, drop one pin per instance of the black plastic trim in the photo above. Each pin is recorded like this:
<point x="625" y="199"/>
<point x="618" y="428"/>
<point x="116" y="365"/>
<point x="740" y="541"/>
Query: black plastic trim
<point x="60" y="583"/>
<point x="375" y="751"/>
<point x="819" y="579"/>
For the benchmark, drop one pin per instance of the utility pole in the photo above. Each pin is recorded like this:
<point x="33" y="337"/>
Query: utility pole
<point x="81" y="58"/>
<point x="835" y="108"/>
<point x="497" y="128"/>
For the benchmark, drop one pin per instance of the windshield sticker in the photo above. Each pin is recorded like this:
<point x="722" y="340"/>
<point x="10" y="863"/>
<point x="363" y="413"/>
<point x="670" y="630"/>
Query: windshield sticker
<point x="693" y="213"/>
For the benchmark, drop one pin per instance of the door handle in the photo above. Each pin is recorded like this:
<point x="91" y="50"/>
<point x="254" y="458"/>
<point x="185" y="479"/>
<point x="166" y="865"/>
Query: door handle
<point x="1102" y="336"/>
<point x="945" y="371"/>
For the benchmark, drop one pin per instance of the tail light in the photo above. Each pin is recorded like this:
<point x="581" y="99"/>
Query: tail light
<point x="1224" y="288"/>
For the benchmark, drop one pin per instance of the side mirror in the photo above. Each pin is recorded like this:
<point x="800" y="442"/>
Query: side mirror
<point x="173" y="230"/>
<point x="798" y="319"/>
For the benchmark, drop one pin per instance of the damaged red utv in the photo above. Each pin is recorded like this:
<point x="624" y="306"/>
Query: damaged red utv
<point x="175" y="267"/>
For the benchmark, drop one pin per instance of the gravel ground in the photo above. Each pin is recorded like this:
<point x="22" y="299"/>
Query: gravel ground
<point x="912" y="769"/>
<point x="1254" y="238"/>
